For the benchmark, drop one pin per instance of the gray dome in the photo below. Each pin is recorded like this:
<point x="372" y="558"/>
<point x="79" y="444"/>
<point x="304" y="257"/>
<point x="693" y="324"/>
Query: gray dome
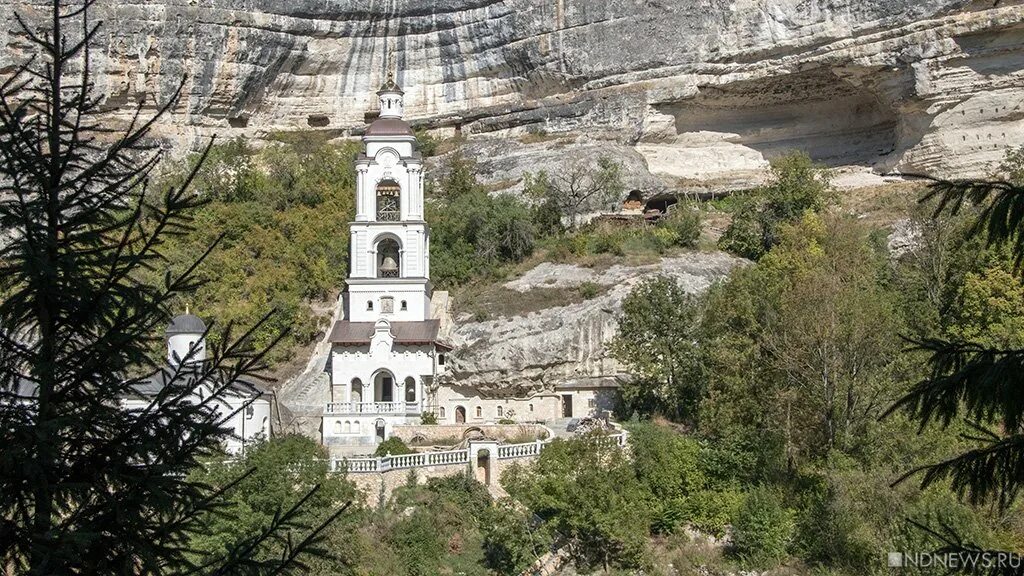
<point x="186" y="324"/>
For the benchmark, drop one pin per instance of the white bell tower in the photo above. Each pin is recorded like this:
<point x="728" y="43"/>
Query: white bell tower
<point x="390" y="241"/>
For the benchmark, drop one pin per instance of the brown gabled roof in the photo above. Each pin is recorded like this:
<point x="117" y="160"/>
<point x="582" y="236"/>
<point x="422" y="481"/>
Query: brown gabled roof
<point x="347" y="333"/>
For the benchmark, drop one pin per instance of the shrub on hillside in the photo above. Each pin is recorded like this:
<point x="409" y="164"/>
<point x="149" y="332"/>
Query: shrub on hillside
<point x="473" y="233"/>
<point x="276" y="213"/>
<point x="763" y="529"/>
<point x="796" y="186"/>
<point x="393" y="446"/>
<point x="684" y="226"/>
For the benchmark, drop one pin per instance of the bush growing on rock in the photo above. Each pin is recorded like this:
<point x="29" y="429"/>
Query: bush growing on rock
<point x="473" y="233"/>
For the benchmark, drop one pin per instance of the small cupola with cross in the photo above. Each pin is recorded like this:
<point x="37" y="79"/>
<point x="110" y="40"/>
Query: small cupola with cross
<point x="391" y="98"/>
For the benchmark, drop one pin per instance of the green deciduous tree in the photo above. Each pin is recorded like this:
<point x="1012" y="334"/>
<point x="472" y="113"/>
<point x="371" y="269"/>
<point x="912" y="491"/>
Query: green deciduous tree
<point x="800" y="349"/>
<point x="990" y="309"/>
<point x="587" y="495"/>
<point x="796" y="185"/>
<point x="763" y="529"/>
<point x="657" y="340"/>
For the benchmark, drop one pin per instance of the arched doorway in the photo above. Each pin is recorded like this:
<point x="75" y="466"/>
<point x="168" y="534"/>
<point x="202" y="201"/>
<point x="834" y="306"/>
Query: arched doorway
<point x="483" y="467"/>
<point x="383" y="387"/>
<point x="389" y="195"/>
<point x="389" y="260"/>
<point x="410" y="390"/>
<point x="460" y="415"/>
<point x="356" y="393"/>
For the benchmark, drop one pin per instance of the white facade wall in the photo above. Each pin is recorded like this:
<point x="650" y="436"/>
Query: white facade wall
<point x="346" y="426"/>
<point x="363" y="295"/>
<point x="248" y="424"/>
<point x="349" y="362"/>
<point x="539" y="407"/>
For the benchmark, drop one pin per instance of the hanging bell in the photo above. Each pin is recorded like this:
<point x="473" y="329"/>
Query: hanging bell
<point x="389" y="265"/>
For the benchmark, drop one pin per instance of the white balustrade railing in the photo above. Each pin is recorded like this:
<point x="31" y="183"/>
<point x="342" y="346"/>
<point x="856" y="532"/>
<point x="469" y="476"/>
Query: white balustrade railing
<point x="371" y="464"/>
<point x="519" y="450"/>
<point x="404" y="461"/>
<point x="372" y="408"/>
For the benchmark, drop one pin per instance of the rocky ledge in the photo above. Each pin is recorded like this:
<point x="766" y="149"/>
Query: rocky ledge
<point x="564" y="344"/>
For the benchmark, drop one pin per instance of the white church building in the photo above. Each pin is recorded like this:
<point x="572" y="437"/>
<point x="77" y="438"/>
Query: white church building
<point x="245" y="407"/>
<point x="385" y="352"/>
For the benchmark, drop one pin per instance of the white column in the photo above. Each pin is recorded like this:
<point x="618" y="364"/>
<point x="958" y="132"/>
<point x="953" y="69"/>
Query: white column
<point x="353" y="250"/>
<point x="360" y="187"/>
<point x="415" y="211"/>
<point x="426" y="255"/>
<point x="359" y="192"/>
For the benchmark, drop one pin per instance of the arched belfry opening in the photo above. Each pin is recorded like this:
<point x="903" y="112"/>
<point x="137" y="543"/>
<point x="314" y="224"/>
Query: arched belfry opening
<point x="389" y="201"/>
<point x="389" y="258"/>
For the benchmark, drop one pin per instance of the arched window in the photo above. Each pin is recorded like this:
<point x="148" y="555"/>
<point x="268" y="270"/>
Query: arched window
<point x="405" y="305"/>
<point x="389" y="195"/>
<point x="531" y="407"/>
<point x="348" y="427"/>
<point x="440" y="412"/>
<point x="479" y="412"/>
<point x="356" y="390"/>
<point x="500" y="412"/>
<point x="337" y="426"/>
<point x="388" y="259"/>
<point x="355" y="427"/>
<point x="410" y="389"/>
<point x="369" y="305"/>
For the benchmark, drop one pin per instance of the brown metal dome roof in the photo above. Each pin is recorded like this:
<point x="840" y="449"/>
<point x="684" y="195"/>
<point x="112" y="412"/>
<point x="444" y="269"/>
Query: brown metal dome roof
<point x="389" y="127"/>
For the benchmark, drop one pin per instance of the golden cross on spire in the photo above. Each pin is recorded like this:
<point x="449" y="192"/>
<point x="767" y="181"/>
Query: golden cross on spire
<point x="391" y="65"/>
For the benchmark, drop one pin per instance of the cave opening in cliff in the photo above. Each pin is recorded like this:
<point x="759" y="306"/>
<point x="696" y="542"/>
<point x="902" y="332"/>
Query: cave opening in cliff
<point x="833" y="119"/>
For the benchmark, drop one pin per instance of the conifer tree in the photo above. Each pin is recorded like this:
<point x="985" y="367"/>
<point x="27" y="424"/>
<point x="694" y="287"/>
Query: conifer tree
<point x="86" y="486"/>
<point x="979" y="383"/>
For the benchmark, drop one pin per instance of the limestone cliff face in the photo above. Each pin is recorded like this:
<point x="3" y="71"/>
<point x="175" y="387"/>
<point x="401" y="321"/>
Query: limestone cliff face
<point x="697" y="90"/>
<point x="565" y="344"/>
